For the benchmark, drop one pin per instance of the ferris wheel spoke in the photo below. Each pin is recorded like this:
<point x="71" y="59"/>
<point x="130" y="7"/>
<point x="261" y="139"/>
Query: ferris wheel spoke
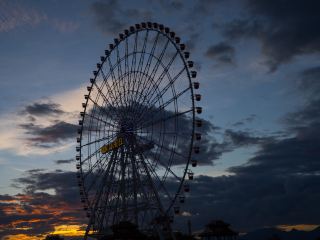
<point x="114" y="80"/>
<point x="140" y="65"/>
<point x="119" y="62"/>
<point x="165" y="89"/>
<point x="146" y="84"/>
<point x="97" y="199"/>
<point x="109" y="165"/>
<point x="151" y="183"/>
<point x="141" y="183"/>
<point x="174" y="98"/>
<point x="159" y="95"/>
<point x="163" y="147"/>
<point x="161" y="184"/>
<point x="155" y="68"/>
<point x="120" y="75"/>
<point x="91" y="168"/>
<point x="107" y="194"/>
<point x="165" y="71"/>
<point x="123" y="186"/>
<point x="93" y="130"/>
<point x="162" y="120"/>
<point x="109" y="90"/>
<point x="99" y="119"/>
<point x="178" y="134"/>
<point x="103" y="110"/>
<point x="166" y="166"/>
<point x="148" y="64"/>
<point x="135" y="184"/>
<point x="143" y="51"/>
<point x="126" y="65"/>
<point x="132" y="76"/>
<point x="95" y="141"/>
<point x="115" y="84"/>
<point x="90" y="156"/>
<point x="110" y="137"/>
<point x="117" y="198"/>
<point x="111" y="202"/>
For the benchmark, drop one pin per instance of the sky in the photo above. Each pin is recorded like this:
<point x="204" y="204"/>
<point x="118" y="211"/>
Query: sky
<point x="259" y="68"/>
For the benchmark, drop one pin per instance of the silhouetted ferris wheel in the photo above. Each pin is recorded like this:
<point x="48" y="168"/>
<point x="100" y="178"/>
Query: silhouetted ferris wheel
<point x="137" y="135"/>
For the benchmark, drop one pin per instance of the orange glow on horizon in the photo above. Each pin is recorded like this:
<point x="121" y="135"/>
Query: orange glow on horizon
<point x="300" y="227"/>
<point x="22" y="237"/>
<point x="62" y="230"/>
<point x="69" y="230"/>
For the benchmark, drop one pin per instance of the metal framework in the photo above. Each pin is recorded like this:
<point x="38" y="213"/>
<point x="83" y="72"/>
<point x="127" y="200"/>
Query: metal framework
<point x="137" y="135"/>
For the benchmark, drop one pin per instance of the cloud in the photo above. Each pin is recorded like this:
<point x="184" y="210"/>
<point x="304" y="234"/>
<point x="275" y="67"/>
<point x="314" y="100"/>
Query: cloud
<point x="43" y="109"/>
<point x="45" y="135"/>
<point x="44" y="116"/>
<point x="222" y="52"/>
<point x="309" y="114"/>
<point x="109" y="16"/>
<point x="15" y="15"/>
<point x="204" y="7"/>
<point x="253" y="200"/>
<point x="242" y="138"/>
<point x="244" y="121"/>
<point x="173" y="5"/>
<point x="192" y="39"/>
<point x="179" y="142"/>
<point x="285" y="29"/>
<point x="310" y="81"/>
<point x="36" y="212"/>
<point x="65" y="26"/>
<point x="279" y="184"/>
<point x="106" y="19"/>
<point x="65" y="161"/>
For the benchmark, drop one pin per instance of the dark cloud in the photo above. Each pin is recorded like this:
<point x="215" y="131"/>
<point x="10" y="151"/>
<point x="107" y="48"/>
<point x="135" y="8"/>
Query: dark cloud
<point x="36" y="212"/>
<point x="204" y="7"/>
<point x="285" y="29"/>
<point x="6" y="197"/>
<point x="106" y="19"/>
<point x="170" y="6"/>
<point x="43" y="180"/>
<point x="253" y="200"/>
<point x="211" y="148"/>
<point x="244" y="121"/>
<point x="110" y="16"/>
<point x="65" y="161"/>
<point x="53" y="134"/>
<point x="279" y="185"/>
<point x="242" y="138"/>
<point x="309" y="114"/>
<point x="43" y="109"/>
<point x="14" y="14"/>
<point x="192" y="40"/>
<point x="241" y="28"/>
<point x="222" y="52"/>
<point x="310" y="81"/>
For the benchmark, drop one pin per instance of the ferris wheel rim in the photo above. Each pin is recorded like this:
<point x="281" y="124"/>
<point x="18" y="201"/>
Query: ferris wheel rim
<point x="186" y="68"/>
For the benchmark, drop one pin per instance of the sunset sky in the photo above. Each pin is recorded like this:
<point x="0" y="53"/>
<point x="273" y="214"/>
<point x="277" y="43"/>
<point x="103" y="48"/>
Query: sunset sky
<point x="259" y="68"/>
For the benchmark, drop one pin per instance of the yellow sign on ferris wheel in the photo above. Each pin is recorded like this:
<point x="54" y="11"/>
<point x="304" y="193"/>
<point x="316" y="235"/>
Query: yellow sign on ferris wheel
<point x="113" y="145"/>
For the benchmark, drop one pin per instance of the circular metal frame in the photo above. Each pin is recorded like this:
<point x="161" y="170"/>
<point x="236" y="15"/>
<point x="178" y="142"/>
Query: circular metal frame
<point x="137" y="131"/>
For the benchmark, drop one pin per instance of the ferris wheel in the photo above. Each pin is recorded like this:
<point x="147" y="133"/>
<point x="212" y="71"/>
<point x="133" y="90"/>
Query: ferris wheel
<point x="138" y="133"/>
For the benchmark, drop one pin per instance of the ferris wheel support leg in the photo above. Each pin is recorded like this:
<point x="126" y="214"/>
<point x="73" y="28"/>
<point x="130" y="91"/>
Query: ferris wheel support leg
<point x="158" y="199"/>
<point x="98" y="197"/>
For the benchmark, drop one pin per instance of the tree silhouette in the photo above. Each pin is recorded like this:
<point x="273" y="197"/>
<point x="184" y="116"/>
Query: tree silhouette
<point x="53" y="237"/>
<point x="274" y="237"/>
